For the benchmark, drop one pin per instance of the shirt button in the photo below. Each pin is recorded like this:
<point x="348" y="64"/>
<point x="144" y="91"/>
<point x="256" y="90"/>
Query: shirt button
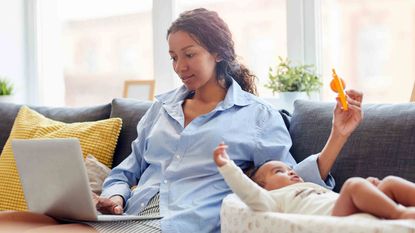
<point x="165" y="181"/>
<point x="177" y="156"/>
<point x="142" y="204"/>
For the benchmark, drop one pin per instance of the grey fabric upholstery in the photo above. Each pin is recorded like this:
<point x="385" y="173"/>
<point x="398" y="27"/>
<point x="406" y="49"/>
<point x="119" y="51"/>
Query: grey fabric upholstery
<point x="9" y="111"/>
<point x="79" y="114"/>
<point x="130" y="111"/>
<point x="383" y="144"/>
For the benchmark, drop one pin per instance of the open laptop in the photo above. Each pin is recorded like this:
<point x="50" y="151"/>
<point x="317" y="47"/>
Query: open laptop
<point x="55" y="182"/>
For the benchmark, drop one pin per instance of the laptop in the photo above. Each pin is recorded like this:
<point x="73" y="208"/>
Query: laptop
<point x="55" y="182"/>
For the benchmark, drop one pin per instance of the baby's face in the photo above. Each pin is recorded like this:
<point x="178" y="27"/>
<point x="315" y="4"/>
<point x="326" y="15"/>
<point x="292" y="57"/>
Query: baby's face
<point x="275" y="175"/>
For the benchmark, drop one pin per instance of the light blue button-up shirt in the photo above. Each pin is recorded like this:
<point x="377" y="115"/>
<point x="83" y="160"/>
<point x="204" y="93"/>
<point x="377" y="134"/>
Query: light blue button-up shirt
<point x="177" y="161"/>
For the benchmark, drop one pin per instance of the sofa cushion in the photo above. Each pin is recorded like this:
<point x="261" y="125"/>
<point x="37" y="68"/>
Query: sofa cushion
<point x="97" y="172"/>
<point x="98" y="138"/>
<point x="383" y="144"/>
<point x="9" y="111"/>
<point x="130" y="111"/>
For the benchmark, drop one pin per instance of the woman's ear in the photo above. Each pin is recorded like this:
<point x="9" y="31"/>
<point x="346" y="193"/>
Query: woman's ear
<point x="217" y="58"/>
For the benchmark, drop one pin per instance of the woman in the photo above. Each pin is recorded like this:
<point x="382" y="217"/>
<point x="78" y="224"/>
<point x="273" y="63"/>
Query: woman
<point x="171" y="158"/>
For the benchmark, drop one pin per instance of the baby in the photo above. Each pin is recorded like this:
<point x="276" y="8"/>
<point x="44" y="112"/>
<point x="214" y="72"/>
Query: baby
<point x="282" y="190"/>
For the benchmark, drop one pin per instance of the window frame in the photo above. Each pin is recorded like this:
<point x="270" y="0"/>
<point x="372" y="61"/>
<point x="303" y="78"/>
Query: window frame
<point x="303" y="44"/>
<point x="304" y="32"/>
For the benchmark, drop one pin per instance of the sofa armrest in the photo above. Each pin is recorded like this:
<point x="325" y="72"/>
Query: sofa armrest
<point x="237" y="217"/>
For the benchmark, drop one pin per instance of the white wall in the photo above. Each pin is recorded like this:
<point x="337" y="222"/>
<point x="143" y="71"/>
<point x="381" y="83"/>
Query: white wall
<point x="13" y="45"/>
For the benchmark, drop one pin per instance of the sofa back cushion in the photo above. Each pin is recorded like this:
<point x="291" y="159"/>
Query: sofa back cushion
<point x="383" y="144"/>
<point x="8" y="112"/>
<point x="98" y="138"/>
<point x="130" y="111"/>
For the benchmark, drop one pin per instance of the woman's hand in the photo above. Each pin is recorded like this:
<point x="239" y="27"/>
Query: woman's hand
<point x="112" y="205"/>
<point x="220" y="156"/>
<point x="345" y="122"/>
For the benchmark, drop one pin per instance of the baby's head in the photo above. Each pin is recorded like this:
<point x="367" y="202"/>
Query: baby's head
<point x="274" y="175"/>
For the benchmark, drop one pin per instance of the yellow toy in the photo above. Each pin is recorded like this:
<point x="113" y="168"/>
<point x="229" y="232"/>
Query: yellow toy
<point x="337" y="85"/>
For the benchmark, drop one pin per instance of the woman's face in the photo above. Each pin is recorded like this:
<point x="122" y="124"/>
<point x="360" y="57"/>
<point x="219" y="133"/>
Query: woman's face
<point x="193" y="63"/>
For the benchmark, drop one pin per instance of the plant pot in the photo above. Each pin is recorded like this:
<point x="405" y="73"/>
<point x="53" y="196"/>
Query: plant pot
<point x="6" y="98"/>
<point x="285" y="100"/>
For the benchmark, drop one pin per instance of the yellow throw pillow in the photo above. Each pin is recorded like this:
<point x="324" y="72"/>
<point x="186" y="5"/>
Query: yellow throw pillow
<point x="98" y="138"/>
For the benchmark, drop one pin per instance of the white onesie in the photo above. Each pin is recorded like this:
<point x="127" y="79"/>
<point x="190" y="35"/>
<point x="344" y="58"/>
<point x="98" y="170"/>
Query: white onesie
<point x="301" y="198"/>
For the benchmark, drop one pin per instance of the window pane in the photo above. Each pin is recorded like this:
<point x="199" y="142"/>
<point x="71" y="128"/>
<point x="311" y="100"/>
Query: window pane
<point x="258" y="28"/>
<point x="104" y="45"/>
<point x="371" y="44"/>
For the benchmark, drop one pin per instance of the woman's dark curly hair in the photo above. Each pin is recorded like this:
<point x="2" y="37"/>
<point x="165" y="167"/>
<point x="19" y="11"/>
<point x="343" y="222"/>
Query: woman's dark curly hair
<point x="212" y="33"/>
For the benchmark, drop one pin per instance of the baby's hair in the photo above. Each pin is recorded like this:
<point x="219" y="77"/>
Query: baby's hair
<point x="251" y="172"/>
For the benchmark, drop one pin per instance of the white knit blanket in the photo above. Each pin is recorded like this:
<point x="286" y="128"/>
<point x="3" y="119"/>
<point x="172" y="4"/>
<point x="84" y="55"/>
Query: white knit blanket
<point x="237" y="217"/>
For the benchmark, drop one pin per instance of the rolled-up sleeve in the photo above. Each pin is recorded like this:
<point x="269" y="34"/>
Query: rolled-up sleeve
<point x="273" y="142"/>
<point x="309" y="171"/>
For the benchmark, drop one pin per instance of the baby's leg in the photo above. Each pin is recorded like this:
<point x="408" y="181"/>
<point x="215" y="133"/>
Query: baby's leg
<point x="400" y="190"/>
<point x="359" y="195"/>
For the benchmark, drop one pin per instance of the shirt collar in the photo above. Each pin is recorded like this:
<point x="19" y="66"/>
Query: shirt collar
<point x="234" y="96"/>
<point x="174" y="96"/>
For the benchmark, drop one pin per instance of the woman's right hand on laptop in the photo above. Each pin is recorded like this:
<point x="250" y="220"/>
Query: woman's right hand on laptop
<point x="112" y="205"/>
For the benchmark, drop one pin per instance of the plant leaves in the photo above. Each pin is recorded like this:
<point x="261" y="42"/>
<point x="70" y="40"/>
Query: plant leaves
<point x="287" y="77"/>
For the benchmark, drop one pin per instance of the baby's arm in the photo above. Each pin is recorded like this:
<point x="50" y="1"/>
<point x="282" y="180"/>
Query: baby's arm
<point x="248" y="191"/>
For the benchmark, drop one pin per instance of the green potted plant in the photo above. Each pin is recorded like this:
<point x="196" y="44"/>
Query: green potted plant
<point x="289" y="78"/>
<point x="292" y="82"/>
<point x="6" y="90"/>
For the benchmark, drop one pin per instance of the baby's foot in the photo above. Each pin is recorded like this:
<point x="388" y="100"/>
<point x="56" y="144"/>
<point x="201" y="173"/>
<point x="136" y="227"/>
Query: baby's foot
<point x="408" y="213"/>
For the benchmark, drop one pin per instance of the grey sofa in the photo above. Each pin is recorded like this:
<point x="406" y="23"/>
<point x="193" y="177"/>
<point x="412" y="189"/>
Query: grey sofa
<point x="383" y="144"/>
<point x="129" y="110"/>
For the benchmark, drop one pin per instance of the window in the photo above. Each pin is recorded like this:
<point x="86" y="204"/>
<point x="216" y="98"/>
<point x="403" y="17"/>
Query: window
<point x="258" y="28"/>
<point x="104" y="43"/>
<point x="371" y="44"/>
<point x="104" y="46"/>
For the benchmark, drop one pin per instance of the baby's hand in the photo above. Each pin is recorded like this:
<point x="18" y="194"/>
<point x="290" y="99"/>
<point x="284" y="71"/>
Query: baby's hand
<point x="220" y="156"/>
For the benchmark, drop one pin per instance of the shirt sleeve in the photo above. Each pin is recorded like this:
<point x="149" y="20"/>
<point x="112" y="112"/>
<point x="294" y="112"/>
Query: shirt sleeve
<point x="248" y="191"/>
<point x="309" y="171"/>
<point x="274" y="143"/>
<point x="128" y="172"/>
<point x="273" y="140"/>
